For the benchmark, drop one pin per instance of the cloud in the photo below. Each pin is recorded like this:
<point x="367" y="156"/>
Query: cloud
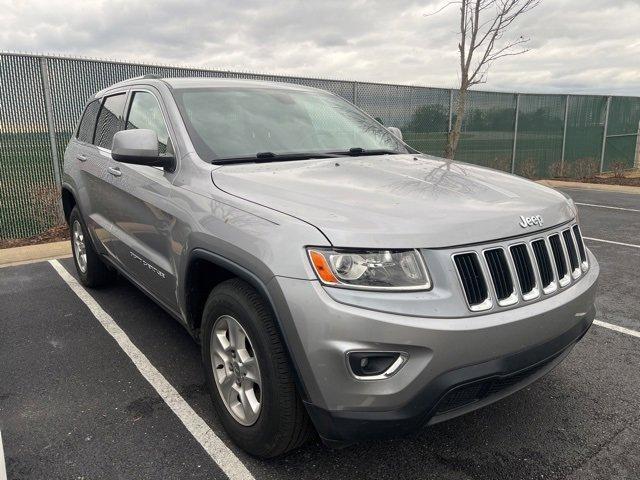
<point x="578" y="46"/>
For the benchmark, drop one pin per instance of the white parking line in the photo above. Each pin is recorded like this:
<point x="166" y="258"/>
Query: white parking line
<point x="611" y="241"/>
<point x="607" y="206"/>
<point x="228" y="462"/>
<point x="3" y="467"/>
<point x="624" y="330"/>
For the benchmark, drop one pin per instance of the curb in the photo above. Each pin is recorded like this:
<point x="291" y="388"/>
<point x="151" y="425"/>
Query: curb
<point x="34" y="253"/>
<point x="591" y="186"/>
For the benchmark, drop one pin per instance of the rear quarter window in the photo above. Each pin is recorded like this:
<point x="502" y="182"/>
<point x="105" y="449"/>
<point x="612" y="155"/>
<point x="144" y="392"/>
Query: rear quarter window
<point x="88" y="122"/>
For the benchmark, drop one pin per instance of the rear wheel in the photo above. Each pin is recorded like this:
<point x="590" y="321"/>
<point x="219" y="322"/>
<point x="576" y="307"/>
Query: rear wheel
<point x="248" y="372"/>
<point x="91" y="269"/>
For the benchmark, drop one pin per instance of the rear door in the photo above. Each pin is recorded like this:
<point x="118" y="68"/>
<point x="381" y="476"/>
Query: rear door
<point x="102" y="118"/>
<point x="140" y="203"/>
<point x="100" y="175"/>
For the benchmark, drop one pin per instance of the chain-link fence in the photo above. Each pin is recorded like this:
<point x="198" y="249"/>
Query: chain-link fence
<point x="41" y="98"/>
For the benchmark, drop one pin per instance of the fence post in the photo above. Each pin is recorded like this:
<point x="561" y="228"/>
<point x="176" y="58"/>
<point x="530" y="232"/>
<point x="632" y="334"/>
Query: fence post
<point x="564" y="134"/>
<point x="636" y="163"/>
<point x="604" y="134"/>
<point x="44" y="71"/>
<point x="355" y="93"/>
<point x="515" y="135"/>
<point x="450" y="109"/>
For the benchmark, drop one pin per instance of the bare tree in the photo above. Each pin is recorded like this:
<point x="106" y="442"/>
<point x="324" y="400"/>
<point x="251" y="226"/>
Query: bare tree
<point x="483" y="24"/>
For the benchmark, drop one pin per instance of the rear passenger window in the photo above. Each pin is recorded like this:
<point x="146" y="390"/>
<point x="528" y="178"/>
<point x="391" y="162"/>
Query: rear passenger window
<point x="88" y="122"/>
<point x="145" y="113"/>
<point x="109" y="120"/>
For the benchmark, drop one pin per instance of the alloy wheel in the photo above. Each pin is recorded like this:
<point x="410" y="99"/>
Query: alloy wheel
<point x="79" y="249"/>
<point x="236" y="370"/>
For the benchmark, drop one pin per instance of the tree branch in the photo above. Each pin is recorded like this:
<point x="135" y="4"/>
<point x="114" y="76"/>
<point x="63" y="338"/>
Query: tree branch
<point x="483" y="24"/>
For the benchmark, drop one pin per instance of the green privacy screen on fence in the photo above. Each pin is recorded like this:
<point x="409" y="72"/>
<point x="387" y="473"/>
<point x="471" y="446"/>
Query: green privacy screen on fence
<point x="539" y="135"/>
<point x="41" y="98"/>
<point x="26" y="173"/>
<point x="585" y="130"/>
<point x="487" y="129"/>
<point x="622" y="131"/>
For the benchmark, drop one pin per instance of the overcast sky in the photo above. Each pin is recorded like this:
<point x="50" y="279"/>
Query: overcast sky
<point x="579" y="46"/>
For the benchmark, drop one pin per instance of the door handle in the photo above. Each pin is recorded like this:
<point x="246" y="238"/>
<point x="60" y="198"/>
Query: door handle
<point x="82" y="158"/>
<point x="114" y="171"/>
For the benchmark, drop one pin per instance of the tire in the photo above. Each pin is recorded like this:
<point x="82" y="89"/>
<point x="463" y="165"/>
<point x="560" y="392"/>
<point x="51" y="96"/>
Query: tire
<point x="282" y="423"/>
<point x="92" y="271"/>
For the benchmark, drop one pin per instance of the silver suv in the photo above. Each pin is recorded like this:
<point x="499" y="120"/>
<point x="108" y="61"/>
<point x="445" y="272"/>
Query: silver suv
<point x="337" y="280"/>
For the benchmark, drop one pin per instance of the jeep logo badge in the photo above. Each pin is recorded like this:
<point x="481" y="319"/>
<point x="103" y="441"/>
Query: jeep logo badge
<point x="530" y="221"/>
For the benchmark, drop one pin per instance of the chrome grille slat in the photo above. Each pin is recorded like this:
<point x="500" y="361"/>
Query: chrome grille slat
<point x="543" y="262"/>
<point x="501" y="277"/>
<point x="583" y="252"/>
<point x="473" y="281"/>
<point x="524" y="269"/>
<point x="560" y="259"/>
<point x="572" y="253"/>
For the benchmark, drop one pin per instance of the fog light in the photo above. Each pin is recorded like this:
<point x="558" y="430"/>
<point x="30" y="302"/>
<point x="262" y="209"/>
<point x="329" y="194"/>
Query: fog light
<point x="375" y="365"/>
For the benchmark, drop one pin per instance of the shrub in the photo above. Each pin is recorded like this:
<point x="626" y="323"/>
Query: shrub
<point x="618" y="169"/>
<point x="500" y="163"/>
<point x="556" y="170"/>
<point x="585" y="168"/>
<point x="528" y="168"/>
<point x="48" y="199"/>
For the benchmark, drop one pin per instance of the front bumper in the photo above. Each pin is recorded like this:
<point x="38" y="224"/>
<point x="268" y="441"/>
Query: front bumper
<point x="455" y="364"/>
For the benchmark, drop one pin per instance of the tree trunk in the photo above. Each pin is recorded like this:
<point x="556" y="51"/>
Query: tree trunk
<point x="454" y="135"/>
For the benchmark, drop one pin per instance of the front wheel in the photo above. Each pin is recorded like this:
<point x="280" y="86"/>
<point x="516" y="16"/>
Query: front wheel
<point x="248" y="372"/>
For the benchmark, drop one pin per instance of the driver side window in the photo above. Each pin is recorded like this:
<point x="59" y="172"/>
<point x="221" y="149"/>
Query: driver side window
<point x="145" y="112"/>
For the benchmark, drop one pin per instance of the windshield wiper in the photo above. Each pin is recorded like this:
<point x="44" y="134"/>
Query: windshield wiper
<point x="274" y="157"/>
<point x="358" y="151"/>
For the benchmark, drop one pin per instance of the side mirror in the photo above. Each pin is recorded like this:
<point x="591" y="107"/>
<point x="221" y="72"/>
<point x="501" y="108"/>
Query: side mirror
<point x="395" y="131"/>
<point x="139" y="147"/>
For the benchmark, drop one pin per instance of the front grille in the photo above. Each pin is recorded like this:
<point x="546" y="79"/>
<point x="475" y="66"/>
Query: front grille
<point x="558" y="255"/>
<point x="473" y="282"/>
<point x="544" y="262"/>
<point x="500" y="273"/>
<point x="524" y="268"/>
<point x="578" y="235"/>
<point x="571" y="249"/>
<point x="529" y="263"/>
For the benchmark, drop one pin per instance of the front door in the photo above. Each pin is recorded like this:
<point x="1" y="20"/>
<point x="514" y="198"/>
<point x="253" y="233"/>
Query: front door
<point x="141" y="209"/>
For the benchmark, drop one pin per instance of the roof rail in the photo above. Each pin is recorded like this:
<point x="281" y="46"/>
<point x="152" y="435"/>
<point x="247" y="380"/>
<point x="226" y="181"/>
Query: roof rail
<point x="139" y="77"/>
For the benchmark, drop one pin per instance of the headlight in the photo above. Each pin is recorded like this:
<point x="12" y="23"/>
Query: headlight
<point x="370" y="269"/>
<point x="572" y="204"/>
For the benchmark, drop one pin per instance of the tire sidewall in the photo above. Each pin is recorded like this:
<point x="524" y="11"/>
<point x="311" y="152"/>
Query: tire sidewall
<point x="259" y="436"/>
<point x="97" y="274"/>
<point x="76" y="216"/>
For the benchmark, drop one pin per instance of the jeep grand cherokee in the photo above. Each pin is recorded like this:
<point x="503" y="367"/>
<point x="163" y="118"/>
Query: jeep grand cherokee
<point x="337" y="280"/>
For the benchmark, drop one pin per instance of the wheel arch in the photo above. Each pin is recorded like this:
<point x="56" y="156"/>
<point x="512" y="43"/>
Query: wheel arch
<point x="229" y="269"/>
<point x="68" y="201"/>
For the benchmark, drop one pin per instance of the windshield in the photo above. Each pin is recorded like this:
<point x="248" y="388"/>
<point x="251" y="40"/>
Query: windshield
<point x="231" y="123"/>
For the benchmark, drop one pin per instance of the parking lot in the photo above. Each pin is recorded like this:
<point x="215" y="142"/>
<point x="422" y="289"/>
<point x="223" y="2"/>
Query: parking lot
<point x="106" y="385"/>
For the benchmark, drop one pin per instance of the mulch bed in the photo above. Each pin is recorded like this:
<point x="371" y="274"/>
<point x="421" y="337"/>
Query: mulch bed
<point x="54" y="234"/>
<point x="629" y="182"/>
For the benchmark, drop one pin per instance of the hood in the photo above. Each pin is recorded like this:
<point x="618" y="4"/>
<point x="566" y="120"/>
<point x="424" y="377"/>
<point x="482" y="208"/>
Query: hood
<point x="397" y="201"/>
